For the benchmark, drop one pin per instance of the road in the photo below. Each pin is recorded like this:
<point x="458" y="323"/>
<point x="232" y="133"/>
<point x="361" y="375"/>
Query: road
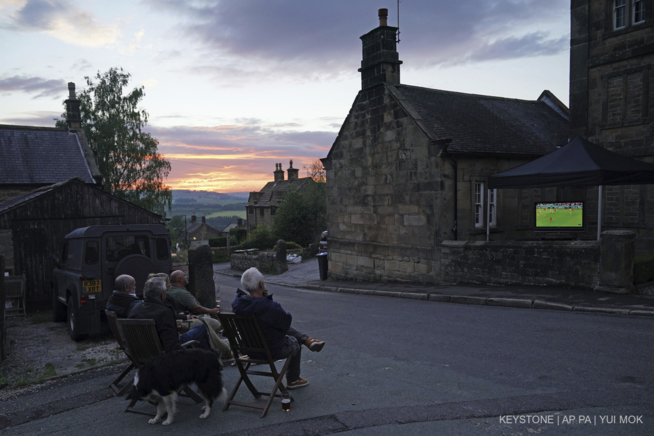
<point x="396" y="366"/>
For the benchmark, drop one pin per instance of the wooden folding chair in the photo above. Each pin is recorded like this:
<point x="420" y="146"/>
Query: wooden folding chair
<point x="15" y="293"/>
<point x="246" y="339"/>
<point x="143" y="344"/>
<point x="112" y="319"/>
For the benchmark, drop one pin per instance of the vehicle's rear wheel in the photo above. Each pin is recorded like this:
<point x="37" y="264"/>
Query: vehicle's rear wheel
<point x="73" y="329"/>
<point x="58" y="308"/>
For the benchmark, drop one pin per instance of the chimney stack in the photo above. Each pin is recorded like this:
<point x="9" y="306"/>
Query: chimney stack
<point x="73" y="116"/>
<point x="279" y="173"/>
<point x="383" y="16"/>
<point x="380" y="63"/>
<point x="204" y="219"/>
<point x="193" y="218"/>
<point x="292" y="172"/>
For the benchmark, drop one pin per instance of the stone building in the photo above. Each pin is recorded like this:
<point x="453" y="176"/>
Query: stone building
<point x="262" y="205"/>
<point x="612" y="99"/>
<point x="34" y="157"/>
<point x="200" y="230"/>
<point x="409" y="167"/>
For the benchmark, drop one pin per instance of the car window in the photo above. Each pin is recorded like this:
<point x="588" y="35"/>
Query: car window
<point x="118" y="247"/>
<point x="163" y="249"/>
<point x="73" y="254"/>
<point x="91" y="253"/>
<point x="64" y="254"/>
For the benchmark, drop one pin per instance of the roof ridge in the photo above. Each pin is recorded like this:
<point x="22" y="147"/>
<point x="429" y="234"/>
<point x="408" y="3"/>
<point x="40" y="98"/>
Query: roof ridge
<point x="17" y="127"/>
<point x="495" y="97"/>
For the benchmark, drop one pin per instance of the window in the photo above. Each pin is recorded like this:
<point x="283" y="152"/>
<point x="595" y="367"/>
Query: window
<point x="638" y="12"/>
<point x="261" y="211"/>
<point x="480" y="198"/>
<point x="118" y="247"/>
<point x="251" y="209"/>
<point x="479" y="204"/>
<point x="91" y="254"/>
<point x="163" y="251"/>
<point x="619" y="14"/>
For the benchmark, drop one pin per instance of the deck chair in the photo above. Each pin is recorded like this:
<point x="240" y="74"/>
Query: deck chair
<point x="245" y="339"/>
<point x="112" y="319"/>
<point x="15" y="293"/>
<point x="143" y="344"/>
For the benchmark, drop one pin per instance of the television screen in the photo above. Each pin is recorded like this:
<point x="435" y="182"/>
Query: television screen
<point x="567" y="216"/>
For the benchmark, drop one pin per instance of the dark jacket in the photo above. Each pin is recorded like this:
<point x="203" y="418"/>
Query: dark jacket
<point x="164" y="320"/>
<point x="273" y="320"/>
<point x="121" y="303"/>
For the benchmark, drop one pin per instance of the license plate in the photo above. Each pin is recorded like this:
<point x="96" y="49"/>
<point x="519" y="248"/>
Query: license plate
<point x="92" y="286"/>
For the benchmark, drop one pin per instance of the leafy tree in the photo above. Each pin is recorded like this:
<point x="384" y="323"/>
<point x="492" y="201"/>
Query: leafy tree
<point x="301" y="216"/>
<point x="128" y="160"/>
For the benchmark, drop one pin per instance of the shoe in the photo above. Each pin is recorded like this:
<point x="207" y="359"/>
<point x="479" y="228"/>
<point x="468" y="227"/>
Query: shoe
<point x="314" y="344"/>
<point x="299" y="383"/>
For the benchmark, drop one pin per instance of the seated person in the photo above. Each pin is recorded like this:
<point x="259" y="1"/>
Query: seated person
<point x="170" y="302"/>
<point x="282" y="339"/>
<point x="124" y="297"/>
<point x="184" y="299"/>
<point x="153" y="307"/>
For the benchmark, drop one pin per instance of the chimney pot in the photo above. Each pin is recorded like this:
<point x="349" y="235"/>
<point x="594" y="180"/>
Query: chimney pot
<point x="383" y="16"/>
<point x="71" y="90"/>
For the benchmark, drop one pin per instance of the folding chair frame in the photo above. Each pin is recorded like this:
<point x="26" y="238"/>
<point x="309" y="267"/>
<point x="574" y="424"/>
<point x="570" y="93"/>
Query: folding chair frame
<point x="112" y="319"/>
<point x="245" y="338"/>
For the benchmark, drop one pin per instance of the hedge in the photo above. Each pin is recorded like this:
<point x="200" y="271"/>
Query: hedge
<point x="218" y="242"/>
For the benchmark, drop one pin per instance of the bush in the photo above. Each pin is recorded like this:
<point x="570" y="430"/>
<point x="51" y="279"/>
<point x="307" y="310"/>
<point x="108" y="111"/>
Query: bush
<point x="218" y="242"/>
<point x="643" y="269"/>
<point x="301" y="216"/>
<point x="289" y="246"/>
<point x="261" y="237"/>
<point x="239" y="233"/>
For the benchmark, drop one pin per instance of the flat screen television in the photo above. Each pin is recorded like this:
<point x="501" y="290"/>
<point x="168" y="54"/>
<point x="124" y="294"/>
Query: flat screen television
<point x="559" y="217"/>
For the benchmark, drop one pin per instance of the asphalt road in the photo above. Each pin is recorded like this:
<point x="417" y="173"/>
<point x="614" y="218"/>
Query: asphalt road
<point x="399" y="366"/>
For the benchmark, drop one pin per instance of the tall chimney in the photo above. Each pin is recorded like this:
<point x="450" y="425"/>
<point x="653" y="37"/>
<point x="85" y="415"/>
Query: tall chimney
<point x="279" y="172"/>
<point x="292" y="172"/>
<point x="383" y="16"/>
<point x="73" y="116"/>
<point x="380" y="63"/>
<point x="204" y="219"/>
<point x="193" y="218"/>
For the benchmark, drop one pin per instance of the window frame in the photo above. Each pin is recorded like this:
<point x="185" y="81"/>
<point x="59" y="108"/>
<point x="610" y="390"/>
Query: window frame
<point x="623" y="8"/>
<point x="633" y="12"/>
<point x="478" y="200"/>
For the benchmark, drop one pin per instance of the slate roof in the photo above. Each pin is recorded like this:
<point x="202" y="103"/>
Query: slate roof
<point x="273" y="192"/>
<point x="40" y="155"/>
<point x="486" y="125"/>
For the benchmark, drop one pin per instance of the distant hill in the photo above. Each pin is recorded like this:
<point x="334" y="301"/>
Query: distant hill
<point x="186" y="196"/>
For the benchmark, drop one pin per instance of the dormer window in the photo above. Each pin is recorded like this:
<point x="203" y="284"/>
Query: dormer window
<point x="619" y="14"/>
<point x="638" y="13"/>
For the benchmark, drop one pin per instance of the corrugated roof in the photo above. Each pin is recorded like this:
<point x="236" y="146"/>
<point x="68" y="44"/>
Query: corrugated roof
<point x="40" y="155"/>
<point x="479" y="124"/>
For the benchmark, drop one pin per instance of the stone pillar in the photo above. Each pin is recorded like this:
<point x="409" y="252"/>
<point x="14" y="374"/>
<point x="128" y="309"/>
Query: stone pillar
<point x="618" y="250"/>
<point x="280" y="257"/>
<point x="200" y="268"/>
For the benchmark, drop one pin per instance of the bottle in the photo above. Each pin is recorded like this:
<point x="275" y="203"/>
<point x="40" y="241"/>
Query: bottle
<point x="286" y="402"/>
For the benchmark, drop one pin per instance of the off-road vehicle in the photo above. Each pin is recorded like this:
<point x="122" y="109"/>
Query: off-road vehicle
<point x="92" y="258"/>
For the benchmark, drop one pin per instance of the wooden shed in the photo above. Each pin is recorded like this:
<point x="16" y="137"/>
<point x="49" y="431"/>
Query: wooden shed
<point x="33" y="226"/>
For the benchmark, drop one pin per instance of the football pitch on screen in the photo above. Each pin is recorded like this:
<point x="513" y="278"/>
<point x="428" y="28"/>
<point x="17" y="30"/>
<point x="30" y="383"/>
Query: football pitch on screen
<point x="559" y="218"/>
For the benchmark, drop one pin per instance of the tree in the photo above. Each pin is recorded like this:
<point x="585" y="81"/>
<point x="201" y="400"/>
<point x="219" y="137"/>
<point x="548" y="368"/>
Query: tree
<point x="127" y="156"/>
<point x="316" y="171"/>
<point x="301" y="216"/>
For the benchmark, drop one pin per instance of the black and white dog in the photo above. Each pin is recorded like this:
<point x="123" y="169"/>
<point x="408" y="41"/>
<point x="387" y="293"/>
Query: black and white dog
<point x="160" y="380"/>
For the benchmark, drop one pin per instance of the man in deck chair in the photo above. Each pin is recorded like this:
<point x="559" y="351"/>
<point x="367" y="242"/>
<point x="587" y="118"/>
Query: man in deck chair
<point x="282" y="339"/>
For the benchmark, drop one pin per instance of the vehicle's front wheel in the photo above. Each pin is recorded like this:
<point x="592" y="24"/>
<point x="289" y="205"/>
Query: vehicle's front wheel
<point x="58" y="308"/>
<point x="72" y="322"/>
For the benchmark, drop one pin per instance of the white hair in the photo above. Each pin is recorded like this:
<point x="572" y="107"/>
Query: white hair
<point x="153" y="288"/>
<point x="250" y="279"/>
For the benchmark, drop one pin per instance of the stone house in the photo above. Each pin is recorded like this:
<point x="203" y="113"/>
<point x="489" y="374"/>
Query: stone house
<point x="612" y="100"/>
<point x="200" y="230"/>
<point x="409" y="167"/>
<point x="262" y="205"/>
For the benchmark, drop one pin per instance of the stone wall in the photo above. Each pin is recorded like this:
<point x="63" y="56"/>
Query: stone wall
<point x="264" y="262"/>
<point x="605" y="265"/>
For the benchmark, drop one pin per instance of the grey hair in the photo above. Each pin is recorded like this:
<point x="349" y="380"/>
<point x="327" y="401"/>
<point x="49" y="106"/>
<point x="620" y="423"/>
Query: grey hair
<point x="153" y="288"/>
<point x="123" y="281"/>
<point x="162" y="276"/>
<point x="250" y="279"/>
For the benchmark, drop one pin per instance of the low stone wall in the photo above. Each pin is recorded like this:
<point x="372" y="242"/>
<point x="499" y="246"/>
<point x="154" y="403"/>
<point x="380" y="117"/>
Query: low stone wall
<point x="605" y="265"/>
<point x="371" y="261"/>
<point x="264" y="262"/>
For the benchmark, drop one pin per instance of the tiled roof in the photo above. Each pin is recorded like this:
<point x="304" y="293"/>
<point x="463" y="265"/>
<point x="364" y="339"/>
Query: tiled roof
<point x="41" y="155"/>
<point x="479" y="124"/>
<point x="272" y="193"/>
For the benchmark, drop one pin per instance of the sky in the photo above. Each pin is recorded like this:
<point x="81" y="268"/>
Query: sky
<point x="233" y="87"/>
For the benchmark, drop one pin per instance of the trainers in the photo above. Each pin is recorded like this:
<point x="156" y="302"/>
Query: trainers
<point x="314" y="344"/>
<point x="299" y="383"/>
